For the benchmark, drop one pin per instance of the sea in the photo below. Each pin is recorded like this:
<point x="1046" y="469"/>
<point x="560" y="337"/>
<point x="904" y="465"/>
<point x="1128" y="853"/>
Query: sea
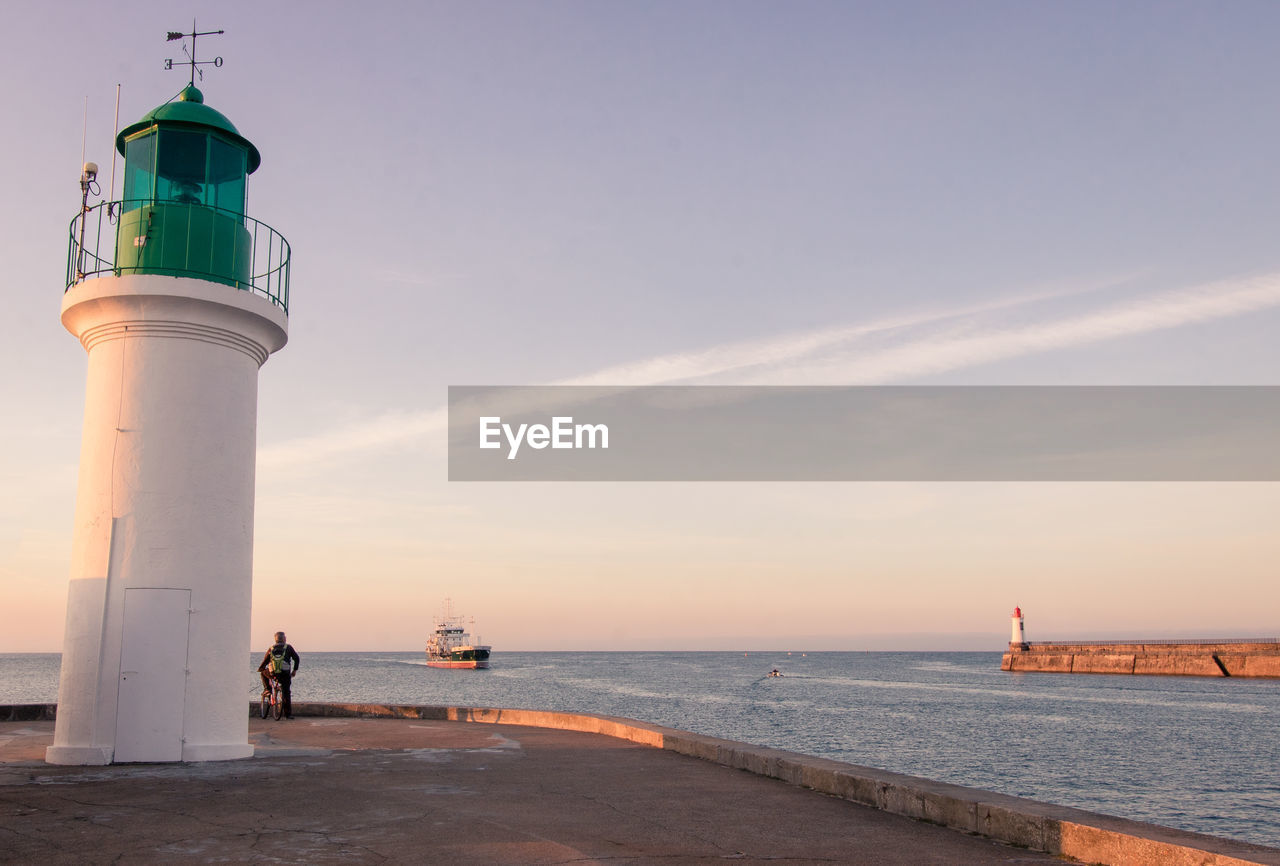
<point x="1194" y="753"/>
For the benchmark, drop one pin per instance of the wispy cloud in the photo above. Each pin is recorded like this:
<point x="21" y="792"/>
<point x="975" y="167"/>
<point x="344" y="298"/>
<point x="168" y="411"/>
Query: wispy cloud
<point x="746" y="356"/>
<point x="391" y="428"/>
<point x="933" y="350"/>
<point x="884" y="350"/>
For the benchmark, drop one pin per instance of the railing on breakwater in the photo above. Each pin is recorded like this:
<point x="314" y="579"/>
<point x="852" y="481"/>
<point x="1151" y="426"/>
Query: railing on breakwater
<point x="1155" y="642"/>
<point x="188" y="239"/>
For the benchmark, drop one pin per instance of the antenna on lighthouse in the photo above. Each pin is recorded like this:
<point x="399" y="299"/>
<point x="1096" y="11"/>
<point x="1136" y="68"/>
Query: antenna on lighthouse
<point x="111" y="190"/>
<point x="88" y="185"/>
<point x="84" y="129"/>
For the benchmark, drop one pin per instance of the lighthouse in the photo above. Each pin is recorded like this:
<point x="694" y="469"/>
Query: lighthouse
<point x="1018" y="637"/>
<point x="178" y="298"/>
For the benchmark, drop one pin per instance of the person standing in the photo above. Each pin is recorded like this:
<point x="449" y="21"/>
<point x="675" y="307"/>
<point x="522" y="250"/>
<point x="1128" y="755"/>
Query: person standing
<point x="282" y="662"/>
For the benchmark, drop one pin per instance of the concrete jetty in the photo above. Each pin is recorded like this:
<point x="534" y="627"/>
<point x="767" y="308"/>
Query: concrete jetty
<point x="1208" y="658"/>
<point x="377" y="783"/>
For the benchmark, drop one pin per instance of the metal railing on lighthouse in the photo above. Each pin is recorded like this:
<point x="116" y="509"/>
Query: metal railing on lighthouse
<point x="196" y="240"/>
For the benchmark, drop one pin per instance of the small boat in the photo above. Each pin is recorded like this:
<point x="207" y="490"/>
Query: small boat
<point x="775" y="673"/>
<point x="450" y="646"/>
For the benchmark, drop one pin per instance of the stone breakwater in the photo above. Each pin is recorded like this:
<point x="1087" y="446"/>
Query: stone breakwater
<point x="1254" y="658"/>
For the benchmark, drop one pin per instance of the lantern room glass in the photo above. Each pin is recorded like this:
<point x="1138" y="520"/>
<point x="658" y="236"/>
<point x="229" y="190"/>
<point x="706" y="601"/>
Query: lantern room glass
<point x="139" y="171"/>
<point x="185" y="167"/>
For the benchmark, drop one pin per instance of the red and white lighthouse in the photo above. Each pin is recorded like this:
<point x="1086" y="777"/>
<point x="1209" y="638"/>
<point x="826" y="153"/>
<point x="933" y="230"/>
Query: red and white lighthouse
<point x="1018" y="636"/>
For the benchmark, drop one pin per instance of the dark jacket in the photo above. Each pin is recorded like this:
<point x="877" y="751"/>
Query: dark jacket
<point x="290" y="655"/>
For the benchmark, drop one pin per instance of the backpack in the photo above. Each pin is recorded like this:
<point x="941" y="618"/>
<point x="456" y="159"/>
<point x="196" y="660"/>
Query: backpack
<point x="279" y="664"/>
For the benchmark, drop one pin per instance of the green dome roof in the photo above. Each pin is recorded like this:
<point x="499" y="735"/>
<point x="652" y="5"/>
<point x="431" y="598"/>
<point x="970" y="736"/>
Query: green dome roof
<point x="189" y="110"/>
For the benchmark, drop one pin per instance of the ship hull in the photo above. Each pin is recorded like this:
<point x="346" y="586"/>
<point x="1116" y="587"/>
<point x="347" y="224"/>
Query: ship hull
<point x="468" y="657"/>
<point x="473" y="664"/>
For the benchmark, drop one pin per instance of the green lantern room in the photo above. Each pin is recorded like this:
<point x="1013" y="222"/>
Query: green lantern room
<point x="183" y="207"/>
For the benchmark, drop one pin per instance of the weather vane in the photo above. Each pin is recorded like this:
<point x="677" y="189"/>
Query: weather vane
<point x="191" y="55"/>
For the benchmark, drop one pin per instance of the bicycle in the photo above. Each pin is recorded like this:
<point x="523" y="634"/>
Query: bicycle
<point x="272" y="701"/>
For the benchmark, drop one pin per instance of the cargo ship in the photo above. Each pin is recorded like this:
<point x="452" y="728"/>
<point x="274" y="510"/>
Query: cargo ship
<point x="450" y="646"/>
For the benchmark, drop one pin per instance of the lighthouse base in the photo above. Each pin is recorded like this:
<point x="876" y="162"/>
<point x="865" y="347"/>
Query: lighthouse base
<point x="88" y="756"/>
<point x="224" y="752"/>
<point x="97" y="756"/>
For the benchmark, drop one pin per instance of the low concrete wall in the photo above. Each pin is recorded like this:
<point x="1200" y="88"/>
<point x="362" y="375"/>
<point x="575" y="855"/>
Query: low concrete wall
<point x="1074" y="833"/>
<point x="28" y="712"/>
<point x="1249" y="660"/>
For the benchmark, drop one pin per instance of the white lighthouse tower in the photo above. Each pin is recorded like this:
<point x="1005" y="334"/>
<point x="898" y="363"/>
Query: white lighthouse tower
<point x="178" y="298"/>
<point x="1018" y="637"/>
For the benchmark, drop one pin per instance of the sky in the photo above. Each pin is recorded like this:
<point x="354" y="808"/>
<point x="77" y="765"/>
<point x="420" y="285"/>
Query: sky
<point x="694" y="192"/>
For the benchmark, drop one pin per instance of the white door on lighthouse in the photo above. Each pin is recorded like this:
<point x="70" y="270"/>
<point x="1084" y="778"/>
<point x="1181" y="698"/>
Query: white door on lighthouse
<point x="153" y="675"/>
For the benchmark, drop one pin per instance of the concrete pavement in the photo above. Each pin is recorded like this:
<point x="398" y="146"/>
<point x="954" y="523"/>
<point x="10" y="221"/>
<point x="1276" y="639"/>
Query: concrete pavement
<point x="350" y="790"/>
<point x="397" y="784"/>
